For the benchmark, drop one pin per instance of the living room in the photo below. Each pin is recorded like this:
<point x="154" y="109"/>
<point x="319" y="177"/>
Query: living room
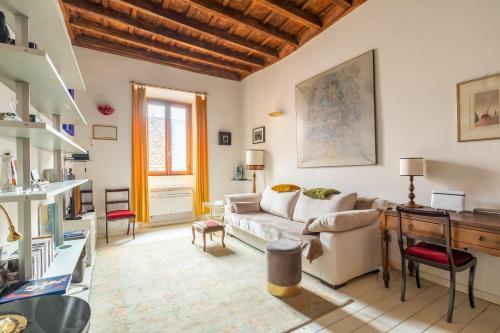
<point x="261" y="87"/>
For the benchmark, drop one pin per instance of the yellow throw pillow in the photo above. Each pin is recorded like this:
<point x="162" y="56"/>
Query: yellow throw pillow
<point x="285" y="188"/>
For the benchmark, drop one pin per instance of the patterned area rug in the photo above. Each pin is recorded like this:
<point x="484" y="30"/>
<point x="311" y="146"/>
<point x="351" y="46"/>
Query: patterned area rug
<point x="173" y="286"/>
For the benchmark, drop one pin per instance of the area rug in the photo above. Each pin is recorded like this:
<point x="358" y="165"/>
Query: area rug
<point x="173" y="286"/>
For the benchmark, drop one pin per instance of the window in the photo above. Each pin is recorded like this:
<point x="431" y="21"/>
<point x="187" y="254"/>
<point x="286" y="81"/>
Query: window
<point x="169" y="138"/>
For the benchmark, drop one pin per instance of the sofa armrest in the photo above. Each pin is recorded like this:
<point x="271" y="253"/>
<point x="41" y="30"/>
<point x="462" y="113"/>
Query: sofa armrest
<point x="343" y="221"/>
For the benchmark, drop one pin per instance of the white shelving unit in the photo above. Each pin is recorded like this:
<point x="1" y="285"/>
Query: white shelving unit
<point x="67" y="256"/>
<point x="40" y="78"/>
<point x="48" y="191"/>
<point x="49" y="95"/>
<point x="48" y="30"/>
<point x="42" y="135"/>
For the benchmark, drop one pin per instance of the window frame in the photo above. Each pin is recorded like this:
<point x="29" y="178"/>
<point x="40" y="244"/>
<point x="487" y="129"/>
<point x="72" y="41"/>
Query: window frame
<point x="168" y="137"/>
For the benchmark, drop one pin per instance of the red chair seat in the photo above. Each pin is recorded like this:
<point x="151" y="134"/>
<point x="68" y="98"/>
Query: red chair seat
<point x="437" y="253"/>
<point x="119" y="215"/>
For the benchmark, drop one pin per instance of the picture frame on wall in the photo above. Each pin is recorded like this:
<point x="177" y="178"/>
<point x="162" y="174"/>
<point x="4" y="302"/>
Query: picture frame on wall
<point x="478" y="109"/>
<point x="259" y="135"/>
<point x="224" y="138"/>
<point x="104" y="132"/>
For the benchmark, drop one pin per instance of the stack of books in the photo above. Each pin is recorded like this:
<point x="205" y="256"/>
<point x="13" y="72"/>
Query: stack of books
<point x="42" y="257"/>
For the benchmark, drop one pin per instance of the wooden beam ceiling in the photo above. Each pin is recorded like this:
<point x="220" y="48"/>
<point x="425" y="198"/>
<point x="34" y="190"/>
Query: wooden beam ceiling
<point x="227" y="39"/>
<point x="292" y="12"/>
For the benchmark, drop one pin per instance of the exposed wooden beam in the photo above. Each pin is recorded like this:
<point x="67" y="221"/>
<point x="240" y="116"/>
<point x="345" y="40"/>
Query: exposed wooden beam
<point x="203" y="28"/>
<point x="292" y="12"/>
<point x="119" y="49"/>
<point x="143" y="42"/>
<point x="96" y="10"/>
<point x="345" y="4"/>
<point x="237" y="17"/>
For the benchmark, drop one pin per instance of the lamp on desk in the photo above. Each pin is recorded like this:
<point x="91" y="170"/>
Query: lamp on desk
<point x="254" y="161"/>
<point x="411" y="166"/>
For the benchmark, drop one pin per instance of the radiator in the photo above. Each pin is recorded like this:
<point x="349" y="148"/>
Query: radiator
<point x="171" y="203"/>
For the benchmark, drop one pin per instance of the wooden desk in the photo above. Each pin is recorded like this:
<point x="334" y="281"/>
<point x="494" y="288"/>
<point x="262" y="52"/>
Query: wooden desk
<point x="469" y="231"/>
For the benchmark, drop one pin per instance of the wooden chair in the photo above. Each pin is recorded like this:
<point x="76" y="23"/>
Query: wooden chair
<point x="430" y="252"/>
<point x="120" y="214"/>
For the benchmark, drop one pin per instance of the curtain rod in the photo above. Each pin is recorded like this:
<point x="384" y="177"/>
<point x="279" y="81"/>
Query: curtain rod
<point x="155" y="86"/>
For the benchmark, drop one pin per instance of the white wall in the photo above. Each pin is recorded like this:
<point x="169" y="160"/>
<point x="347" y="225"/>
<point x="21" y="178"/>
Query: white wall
<point x="423" y="49"/>
<point x="108" y="77"/>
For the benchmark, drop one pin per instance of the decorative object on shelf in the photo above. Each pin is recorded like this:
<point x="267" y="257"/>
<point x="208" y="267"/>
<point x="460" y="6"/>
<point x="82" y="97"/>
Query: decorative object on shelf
<point x="276" y="114"/>
<point x="13" y="236"/>
<point x="50" y="175"/>
<point x="411" y="166"/>
<point x="224" y="138"/>
<point x="336" y="116"/>
<point x="4" y="31"/>
<point x="105" y="109"/>
<point x="240" y="172"/>
<point x="11" y="116"/>
<point x="254" y="161"/>
<point x="448" y="200"/>
<point x="13" y="323"/>
<point x="259" y="135"/>
<point x="8" y="177"/>
<point x="47" y="215"/>
<point x="478" y="109"/>
<point x="104" y="132"/>
<point x="69" y="128"/>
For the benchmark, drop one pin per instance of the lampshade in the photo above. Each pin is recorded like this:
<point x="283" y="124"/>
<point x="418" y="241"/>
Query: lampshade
<point x="411" y="166"/>
<point x="254" y="159"/>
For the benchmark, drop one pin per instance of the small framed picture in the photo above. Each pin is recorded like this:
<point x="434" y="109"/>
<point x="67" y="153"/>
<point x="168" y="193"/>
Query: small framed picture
<point x="259" y="135"/>
<point x="479" y="109"/>
<point x="224" y="138"/>
<point x="104" y="132"/>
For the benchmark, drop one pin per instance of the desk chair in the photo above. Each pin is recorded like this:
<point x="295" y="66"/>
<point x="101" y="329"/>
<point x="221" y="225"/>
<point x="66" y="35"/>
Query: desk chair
<point x="121" y="214"/>
<point x="430" y="252"/>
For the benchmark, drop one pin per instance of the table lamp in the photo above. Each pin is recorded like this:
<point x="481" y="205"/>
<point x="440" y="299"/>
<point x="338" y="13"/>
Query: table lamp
<point x="254" y="161"/>
<point x="411" y="166"/>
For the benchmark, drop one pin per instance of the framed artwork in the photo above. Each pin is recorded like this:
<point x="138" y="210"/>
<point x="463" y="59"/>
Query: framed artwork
<point x="336" y="116"/>
<point x="478" y="109"/>
<point x="224" y="138"/>
<point x="104" y="132"/>
<point x="259" y="135"/>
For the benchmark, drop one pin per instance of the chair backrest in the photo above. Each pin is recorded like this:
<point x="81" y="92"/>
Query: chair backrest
<point x="119" y="201"/>
<point x="441" y="216"/>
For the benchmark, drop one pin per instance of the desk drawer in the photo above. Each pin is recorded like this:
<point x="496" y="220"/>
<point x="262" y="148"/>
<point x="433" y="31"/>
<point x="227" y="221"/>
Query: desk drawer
<point x="475" y="237"/>
<point x="426" y="229"/>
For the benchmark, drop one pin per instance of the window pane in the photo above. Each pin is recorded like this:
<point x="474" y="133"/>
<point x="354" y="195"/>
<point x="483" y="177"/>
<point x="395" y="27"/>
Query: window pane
<point x="179" y="142"/>
<point x="156" y="129"/>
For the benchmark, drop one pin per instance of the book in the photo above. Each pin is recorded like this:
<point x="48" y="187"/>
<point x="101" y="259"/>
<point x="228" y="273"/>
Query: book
<point x="56" y="285"/>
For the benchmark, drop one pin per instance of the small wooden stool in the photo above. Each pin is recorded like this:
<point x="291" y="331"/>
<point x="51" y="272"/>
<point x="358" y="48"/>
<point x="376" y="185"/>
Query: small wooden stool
<point x="207" y="227"/>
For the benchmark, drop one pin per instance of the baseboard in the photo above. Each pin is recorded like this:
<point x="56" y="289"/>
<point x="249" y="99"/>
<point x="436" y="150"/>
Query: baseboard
<point x="167" y="222"/>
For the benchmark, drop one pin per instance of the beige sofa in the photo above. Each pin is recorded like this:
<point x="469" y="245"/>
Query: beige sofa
<point x="345" y="255"/>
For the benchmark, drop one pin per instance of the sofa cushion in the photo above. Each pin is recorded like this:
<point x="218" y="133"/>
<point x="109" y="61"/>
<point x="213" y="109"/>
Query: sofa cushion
<point x="246" y="207"/>
<point x="280" y="204"/>
<point x="285" y="188"/>
<point x="307" y="208"/>
<point x="245" y="197"/>
<point x="343" y="221"/>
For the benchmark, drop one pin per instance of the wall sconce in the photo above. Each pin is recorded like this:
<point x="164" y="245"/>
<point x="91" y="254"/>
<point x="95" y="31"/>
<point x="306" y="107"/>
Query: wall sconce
<point x="276" y="114"/>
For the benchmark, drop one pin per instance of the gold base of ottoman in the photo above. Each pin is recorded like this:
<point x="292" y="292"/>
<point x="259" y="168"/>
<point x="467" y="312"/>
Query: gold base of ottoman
<point x="280" y="291"/>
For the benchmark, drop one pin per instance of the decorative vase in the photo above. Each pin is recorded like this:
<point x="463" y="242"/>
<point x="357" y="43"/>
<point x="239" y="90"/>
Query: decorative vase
<point x="8" y="174"/>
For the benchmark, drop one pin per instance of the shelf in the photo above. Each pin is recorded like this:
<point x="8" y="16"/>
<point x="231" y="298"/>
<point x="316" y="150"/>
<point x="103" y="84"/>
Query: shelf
<point x="48" y="93"/>
<point x="47" y="191"/>
<point x="42" y="136"/>
<point x="48" y="30"/>
<point x="66" y="258"/>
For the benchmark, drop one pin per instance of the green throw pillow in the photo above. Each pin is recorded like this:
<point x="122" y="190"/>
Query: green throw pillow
<point x="320" y="193"/>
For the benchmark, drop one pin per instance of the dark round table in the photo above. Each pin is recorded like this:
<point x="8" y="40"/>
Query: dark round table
<point x="51" y="314"/>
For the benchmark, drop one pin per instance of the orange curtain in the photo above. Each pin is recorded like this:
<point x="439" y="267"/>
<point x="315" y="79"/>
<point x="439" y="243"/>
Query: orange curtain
<point x="140" y="198"/>
<point x="201" y="172"/>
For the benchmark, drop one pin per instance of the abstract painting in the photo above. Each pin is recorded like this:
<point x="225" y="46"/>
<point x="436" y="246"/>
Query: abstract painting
<point x="336" y="116"/>
<point x="479" y="109"/>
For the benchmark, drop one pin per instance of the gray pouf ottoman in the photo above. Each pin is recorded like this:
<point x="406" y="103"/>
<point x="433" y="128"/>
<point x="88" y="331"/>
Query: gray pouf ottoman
<point x="284" y="268"/>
